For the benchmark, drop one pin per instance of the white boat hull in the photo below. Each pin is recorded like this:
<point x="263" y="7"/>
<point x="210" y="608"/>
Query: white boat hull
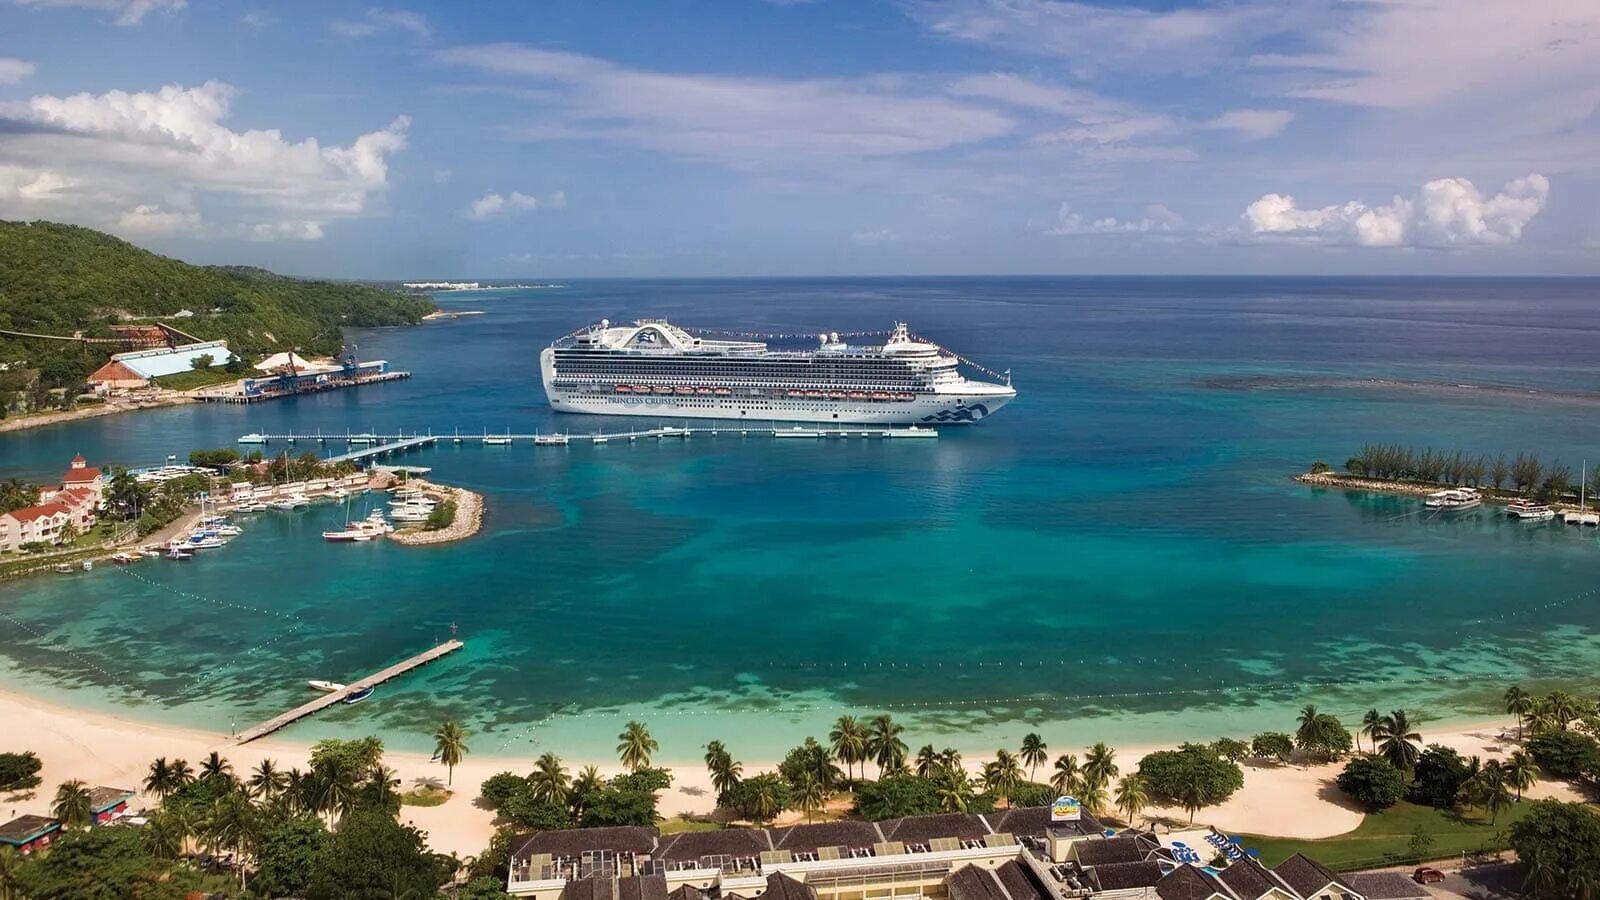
<point x="926" y="409"/>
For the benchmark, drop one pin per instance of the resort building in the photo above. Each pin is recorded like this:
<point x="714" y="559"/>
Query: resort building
<point x="75" y="502"/>
<point x="106" y="803"/>
<point x="1020" y="854"/>
<point x="26" y="834"/>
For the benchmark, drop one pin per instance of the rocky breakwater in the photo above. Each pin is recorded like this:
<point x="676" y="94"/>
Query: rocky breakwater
<point x="467" y="521"/>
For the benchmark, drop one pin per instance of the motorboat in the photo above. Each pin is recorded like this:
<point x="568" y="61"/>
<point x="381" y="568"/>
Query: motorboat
<point x="329" y="686"/>
<point x="348" y="535"/>
<point x="178" y="553"/>
<point x="497" y="441"/>
<point x="64" y="569"/>
<point x="549" y="440"/>
<point x="1528" y="510"/>
<point x="123" y="559"/>
<point x="359" y="695"/>
<point x="88" y="565"/>
<point x="1453" y="499"/>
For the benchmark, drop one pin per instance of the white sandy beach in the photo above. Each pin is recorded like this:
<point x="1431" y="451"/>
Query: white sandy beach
<point x="102" y="749"/>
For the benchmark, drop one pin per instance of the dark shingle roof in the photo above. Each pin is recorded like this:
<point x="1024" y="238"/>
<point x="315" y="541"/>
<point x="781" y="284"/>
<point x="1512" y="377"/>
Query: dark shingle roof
<point x="973" y="883"/>
<point x="926" y="828"/>
<point x="1306" y="875"/>
<point x="1126" y="875"/>
<point x="1248" y="881"/>
<point x="1033" y="820"/>
<point x="695" y="844"/>
<point x="594" y="887"/>
<point x="1113" y="850"/>
<point x="1020" y="883"/>
<point x="25" y="828"/>
<point x="782" y="887"/>
<point x="1189" y="883"/>
<point x="577" y="840"/>
<point x="687" y="892"/>
<point x="642" y="887"/>
<point x="843" y="833"/>
<point x="1386" y="886"/>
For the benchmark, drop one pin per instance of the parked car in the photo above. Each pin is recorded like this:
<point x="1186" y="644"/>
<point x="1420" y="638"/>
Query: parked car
<point x="1427" y="875"/>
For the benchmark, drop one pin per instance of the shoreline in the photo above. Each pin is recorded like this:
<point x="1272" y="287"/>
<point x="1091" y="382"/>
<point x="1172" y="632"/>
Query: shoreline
<point x="1364" y="484"/>
<point x="468" y="520"/>
<point x="115" y="749"/>
<point x="65" y="416"/>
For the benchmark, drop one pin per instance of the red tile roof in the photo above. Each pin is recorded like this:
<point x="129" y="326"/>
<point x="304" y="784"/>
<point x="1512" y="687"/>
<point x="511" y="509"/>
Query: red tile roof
<point x="114" y="371"/>
<point x="29" y="513"/>
<point x="87" y="473"/>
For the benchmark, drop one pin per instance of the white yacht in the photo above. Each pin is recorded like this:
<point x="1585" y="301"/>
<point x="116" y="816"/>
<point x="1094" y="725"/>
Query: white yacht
<point x="654" y="368"/>
<point x="1451" y="499"/>
<point x="1530" y="510"/>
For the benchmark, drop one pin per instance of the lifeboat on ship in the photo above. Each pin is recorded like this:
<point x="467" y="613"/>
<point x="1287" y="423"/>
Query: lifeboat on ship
<point x="858" y="395"/>
<point x="836" y="395"/>
<point x="799" y="395"/>
<point x="905" y="397"/>
<point x="724" y="392"/>
<point x="815" y="395"/>
<point x="624" y="389"/>
<point x="704" y="392"/>
<point x="685" y="391"/>
<point x="662" y="389"/>
<point x="880" y="395"/>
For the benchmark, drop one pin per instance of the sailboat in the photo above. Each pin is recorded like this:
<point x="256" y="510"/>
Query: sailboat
<point x="1582" y="516"/>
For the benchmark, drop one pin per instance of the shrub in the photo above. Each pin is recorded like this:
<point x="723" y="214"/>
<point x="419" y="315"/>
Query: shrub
<point x="1320" y="468"/>
<point x="1032" y="793"/>
<point x="1438" y="777"/>
<point x="19" y="771"/>
<point x="497" y="789"/>
<point x="1373" y="782"/>
<point x="1566" y="754"/>
<point x="896" y="796"/>
<point x="1231" y="749"/>
<point x="1272" y="745"/>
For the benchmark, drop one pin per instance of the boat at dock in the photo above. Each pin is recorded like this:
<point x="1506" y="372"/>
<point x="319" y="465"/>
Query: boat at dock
<point x="1453" y="500"/>
<point x="1528" y="510"/>
<point x="550" y="440"/>
<point x="358" y="695"/>
<point x="178" y="553"/>
<point x="329" y="686"/>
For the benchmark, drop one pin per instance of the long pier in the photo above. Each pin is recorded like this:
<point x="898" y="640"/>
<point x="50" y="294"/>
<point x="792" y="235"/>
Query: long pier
<point x="332" y="697"/>
<point x="383" y="443"/>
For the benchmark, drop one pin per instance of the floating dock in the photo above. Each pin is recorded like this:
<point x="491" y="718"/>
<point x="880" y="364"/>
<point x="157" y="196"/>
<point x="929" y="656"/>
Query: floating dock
<point x="383" y="444"/>
<point x="332" y="697"/>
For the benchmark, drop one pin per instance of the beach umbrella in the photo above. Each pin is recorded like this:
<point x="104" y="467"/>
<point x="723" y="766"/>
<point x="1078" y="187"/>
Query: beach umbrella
<point x="1179" y="844"/>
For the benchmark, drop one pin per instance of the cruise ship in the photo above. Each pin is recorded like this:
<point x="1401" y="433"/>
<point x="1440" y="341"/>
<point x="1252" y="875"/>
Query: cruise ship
<point x="653" y="368"/>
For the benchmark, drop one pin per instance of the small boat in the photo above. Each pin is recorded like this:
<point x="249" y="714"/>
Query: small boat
<point x="662" y="390"/>
<point x="358" y="695"/>
<point x="879" y="395"/>
<point x="202" y="543"/>
<point x="549" y="440"/>
<point x="367" y="438"/>
<point x="687" y="391"/>
<point x="905" y="397"/>
<point x="623" y="388"/>
<point x="1453" y="499"/>
<point x="837" y="395"/>
<point x="815" y="395"/>
<point x="229" y="530"/>
<point x="252" y="438"/>
<point x="64" y="569"/>
<point x="497" y="440"/>
<point x="347" y="535"/>
<point x="858" y="395"/>
<point x="329" y="686"/>
<point x="179" y="553"/>
<point x="122" y="559"/>
<point x="599" y="439"/>
<point x="88" y="565"/>
<point x="723" y="392"/>
<point x="1529" y="510"/>
<point x="704" y="392"/>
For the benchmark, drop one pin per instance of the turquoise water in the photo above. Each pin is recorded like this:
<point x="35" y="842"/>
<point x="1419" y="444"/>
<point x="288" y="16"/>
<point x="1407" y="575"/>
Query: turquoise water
<point x="1118" y="555"/>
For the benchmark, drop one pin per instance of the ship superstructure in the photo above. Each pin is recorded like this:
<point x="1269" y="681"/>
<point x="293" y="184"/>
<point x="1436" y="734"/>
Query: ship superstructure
<point x="654" y="368"/>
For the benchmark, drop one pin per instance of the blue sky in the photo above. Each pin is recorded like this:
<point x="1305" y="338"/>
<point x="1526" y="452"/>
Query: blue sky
<point x="557" y="139"/>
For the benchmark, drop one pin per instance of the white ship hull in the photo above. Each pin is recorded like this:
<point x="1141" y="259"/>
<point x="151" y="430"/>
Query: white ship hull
<point x="925" y="410"/>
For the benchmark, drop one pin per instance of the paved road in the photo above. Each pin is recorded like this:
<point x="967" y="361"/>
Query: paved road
<point x="1496" y="882"/>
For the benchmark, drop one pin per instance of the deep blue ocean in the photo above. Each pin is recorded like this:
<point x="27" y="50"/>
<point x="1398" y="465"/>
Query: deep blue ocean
<point x="1118" y="555"/>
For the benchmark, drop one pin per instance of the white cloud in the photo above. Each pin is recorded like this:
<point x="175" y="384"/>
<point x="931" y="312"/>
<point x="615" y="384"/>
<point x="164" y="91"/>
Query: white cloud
<point x="1445" y="212"/>
<point x="494" y="204"/>
<point x="150" y="219"/>
<point x="745" y="122"/>
<point x="379" y="20"/>
<point x="1254" y="124"/>
<point x="139" y="159"/>
<point x="127" y="12"/>
<point x="1157" y="219"/>
<point x="1090" y="37"/>
<point x="13" y="70"/>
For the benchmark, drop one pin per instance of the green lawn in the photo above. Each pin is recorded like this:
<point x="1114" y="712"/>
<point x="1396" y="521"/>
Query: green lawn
<point x="1384" y="838"/>
<point x="678" y="825"/>
<point x="197" y="378"/>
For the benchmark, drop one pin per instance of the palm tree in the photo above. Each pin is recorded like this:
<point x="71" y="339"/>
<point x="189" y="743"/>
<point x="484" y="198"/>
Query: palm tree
<point x="162" y="780"/>
<point x="10" y="867"/>
<point x="331" y="791"/>
<point x="635" y="746"/>
<point x="1396" y="740"/>
<point x="1068" y="777"/>
<point x="1519" y="704"/>
<point x="1004" y="775"/>
<point x="1488" y="790"/>
<point x="1368" y="722"/>
<point x="449" y="745"/>
<point x="165" y="834"/>
<point x="233" y="825"/>
<point x="266" y="782"/>
<point x="381" y="790"/>
<point x="1521" y="772"/>
<point x="950" y="759"/>
<point x="810" y="795"/>
<point x="849" y="741"/>
<point x="1093" y="797"/>
<point x="72" y="804"/>
<point x="296" y="790"/>
<point x="764" y="805"/>
<point x="1100" y="766"/>
<point x="549" y="780"/>
<point x="1132" y="796"/>
<point x="724" y="769"/>
<point x="182" y="773"/>
<point x="1543" y="717"/>
<point x="885" y="745"/>
<point x="1033" y="752"/>
<point x="1564" y="708"/>
<point x="927" y="761"/>
<point x="215" y="766"/>
<point x="585" y="785"/>
<point x="954" y="788"/>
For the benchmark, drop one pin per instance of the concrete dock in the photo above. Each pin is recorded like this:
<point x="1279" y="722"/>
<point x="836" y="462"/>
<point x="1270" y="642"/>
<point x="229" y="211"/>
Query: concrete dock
<point x="332" y="697"/>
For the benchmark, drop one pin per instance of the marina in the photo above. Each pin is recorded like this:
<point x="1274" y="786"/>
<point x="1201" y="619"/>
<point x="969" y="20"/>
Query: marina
<point x="354" y="692"/>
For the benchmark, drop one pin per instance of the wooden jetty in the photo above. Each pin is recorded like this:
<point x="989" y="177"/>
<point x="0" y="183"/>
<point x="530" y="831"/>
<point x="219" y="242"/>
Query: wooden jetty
<point x="332" y="697"/>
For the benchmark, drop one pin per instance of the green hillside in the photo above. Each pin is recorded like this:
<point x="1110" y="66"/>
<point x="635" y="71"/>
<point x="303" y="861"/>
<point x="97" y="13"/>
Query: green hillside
<point x="60" y="279"/>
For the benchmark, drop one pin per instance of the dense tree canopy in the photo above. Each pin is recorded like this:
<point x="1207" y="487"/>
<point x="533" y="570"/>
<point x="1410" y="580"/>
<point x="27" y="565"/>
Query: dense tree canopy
<point x="1373" y="782"/>
<point x="1566" y="754"/>
<point x="373" y="856"/>
<point x="1438" y="777"/>
<point x="19" y="771"/>
<point x="62" y="279"/>
<point x="287" y="854"/>
<point x="1193" y="776"/>
<point x="1558" y="845"/>
<point x="895" y="796"/>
